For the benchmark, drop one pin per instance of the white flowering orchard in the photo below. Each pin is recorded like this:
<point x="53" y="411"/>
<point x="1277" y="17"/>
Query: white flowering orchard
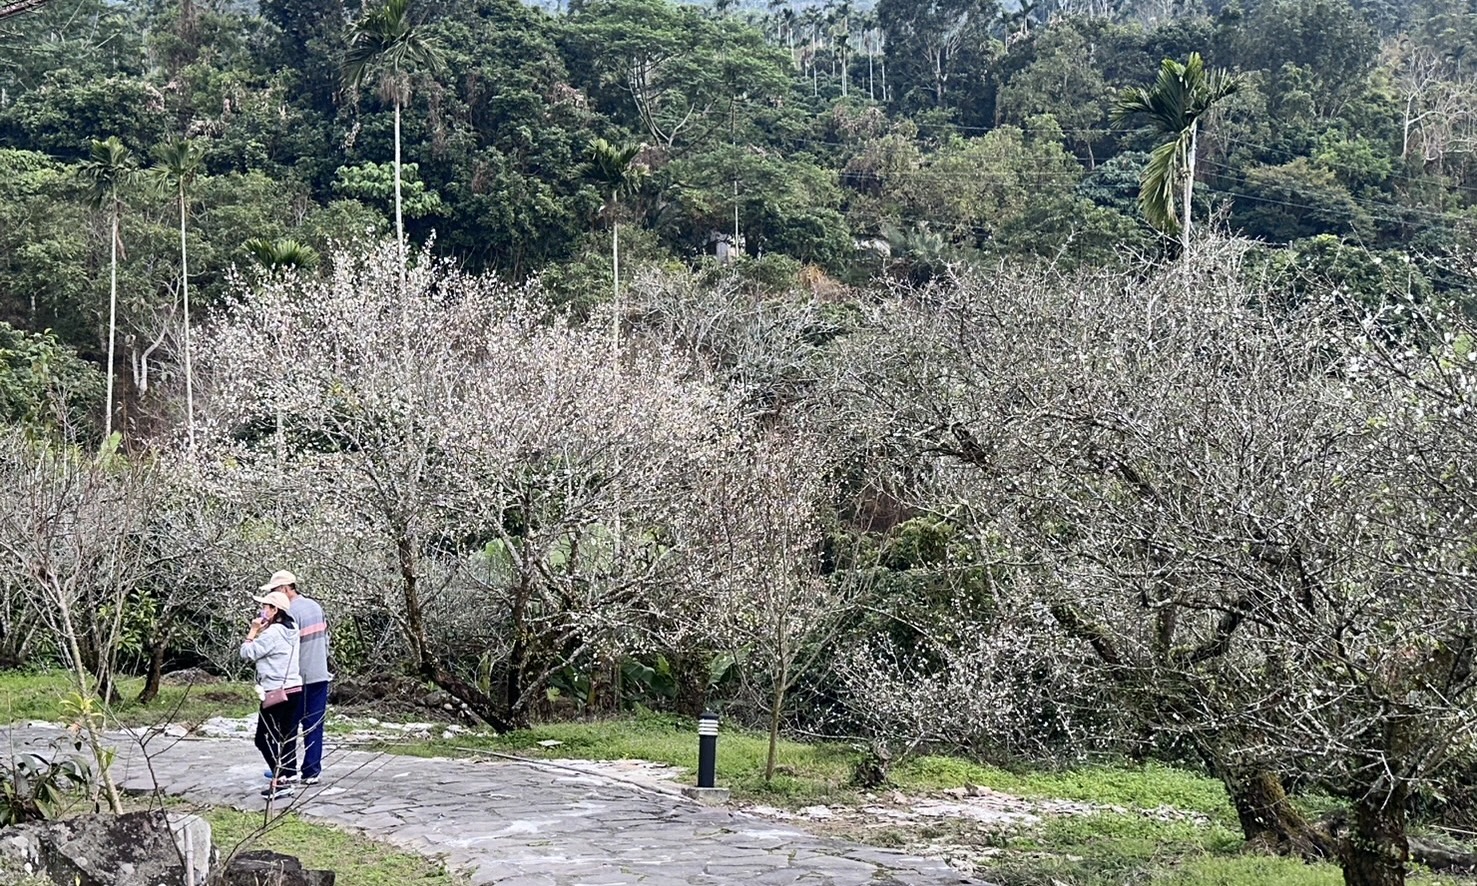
<point x="498" y="486"/>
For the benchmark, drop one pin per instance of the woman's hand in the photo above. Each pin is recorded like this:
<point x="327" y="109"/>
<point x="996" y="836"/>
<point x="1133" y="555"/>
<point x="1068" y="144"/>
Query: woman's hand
<point x="257" y="625"/>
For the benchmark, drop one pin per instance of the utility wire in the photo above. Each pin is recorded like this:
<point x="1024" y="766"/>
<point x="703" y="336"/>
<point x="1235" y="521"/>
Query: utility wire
<point x="19" y="6"/>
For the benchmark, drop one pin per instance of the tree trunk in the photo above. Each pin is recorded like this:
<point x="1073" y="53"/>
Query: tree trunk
<point x="1405" y="131"/>
<point x="603" y="696"/>
<point x="1441" y="858"/>
<point x="775" y="712"/>
<point x="112" y="325"/>
<point x="156" y="669"/>
<point x="615" y="276"/>
<point x="1189" y="191"/>
<point x="89" y="724"/>
<point x="476" y="701"/>
<point x="1270" y="822"/>
<point x="96" y="661"/>
<point x="425" y="664"/>
<point x="938" y="77"/>
<point x="518" y="655"/>
<point x="1376" y="851"/>
<point x="399" y="212"/>
<point x="184" y="282"/>
<point x="15" y="642"/>
<point x="415" y="622"/>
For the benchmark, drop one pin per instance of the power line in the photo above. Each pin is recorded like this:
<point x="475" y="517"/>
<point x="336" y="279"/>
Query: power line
<point x="1380" y="211"/>
<point x="1103" y="131"/>
<point x="1394" y="213"/>
<point x="19" y="6"/>
<point x="1293" y="155"/>
<point x="1375" y="207"/>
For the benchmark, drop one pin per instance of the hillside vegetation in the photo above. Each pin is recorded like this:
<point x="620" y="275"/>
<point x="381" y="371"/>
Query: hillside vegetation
<point x="1072" y="381"/>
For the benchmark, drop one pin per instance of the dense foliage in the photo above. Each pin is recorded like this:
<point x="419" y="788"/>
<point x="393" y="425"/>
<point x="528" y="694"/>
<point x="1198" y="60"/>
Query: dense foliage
<point x="896" y="138"/>
<point x="885" y="370"/>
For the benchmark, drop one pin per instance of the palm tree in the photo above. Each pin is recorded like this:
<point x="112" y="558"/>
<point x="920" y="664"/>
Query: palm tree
<point x="386" y="40"/>
<point x="843" y="45"/>
<point x="811" y="19"/>
<point x="110" y="166"/>
<point x="615" y="170"/>
<point x="282" y="253"/>
<point x="773" y="21"/>
<point x="176" y="164"/>
<point x="1174" y="106"/>
<point x="787" y="20"/>
<point x="869" y="40"/>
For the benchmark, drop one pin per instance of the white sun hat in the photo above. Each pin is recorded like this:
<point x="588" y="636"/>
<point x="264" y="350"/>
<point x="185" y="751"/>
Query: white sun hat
<point x="275" y="598"/>
<point x="278" y="579"/>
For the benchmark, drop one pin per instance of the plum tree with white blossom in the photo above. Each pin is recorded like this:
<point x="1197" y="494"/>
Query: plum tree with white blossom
<point x="1264" y="545"/>
<point x="462" y="447"/>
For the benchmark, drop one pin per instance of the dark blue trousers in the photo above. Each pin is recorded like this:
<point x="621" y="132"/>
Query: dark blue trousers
<point x="315" y="711"/>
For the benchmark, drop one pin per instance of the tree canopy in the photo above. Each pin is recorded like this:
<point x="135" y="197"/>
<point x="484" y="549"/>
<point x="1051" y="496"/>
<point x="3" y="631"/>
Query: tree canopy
<point x="926" y="370"/>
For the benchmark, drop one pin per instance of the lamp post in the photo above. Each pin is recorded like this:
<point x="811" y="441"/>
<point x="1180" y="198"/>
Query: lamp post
<point x="707" y="750"/>
<point x="706" y="791"/>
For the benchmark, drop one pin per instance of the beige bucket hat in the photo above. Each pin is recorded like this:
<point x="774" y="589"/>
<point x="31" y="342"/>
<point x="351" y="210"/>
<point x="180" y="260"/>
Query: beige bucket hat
<point x="279" y="578"/>
<point x="275" y="598"/>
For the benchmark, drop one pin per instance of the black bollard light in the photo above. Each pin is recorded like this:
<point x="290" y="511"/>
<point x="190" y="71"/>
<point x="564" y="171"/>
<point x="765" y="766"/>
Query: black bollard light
<point x="707" y="749"/>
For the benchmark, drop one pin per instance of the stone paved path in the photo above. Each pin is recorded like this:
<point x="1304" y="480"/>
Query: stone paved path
<point x="516" y="824"/>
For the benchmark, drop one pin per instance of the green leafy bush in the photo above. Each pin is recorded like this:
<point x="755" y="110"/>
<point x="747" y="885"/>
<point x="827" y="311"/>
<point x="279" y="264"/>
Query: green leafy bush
<point x="43" y="383"/>
<point x="35" y="788"/>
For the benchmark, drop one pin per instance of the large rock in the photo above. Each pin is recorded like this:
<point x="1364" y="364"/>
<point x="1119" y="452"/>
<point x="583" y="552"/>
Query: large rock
<point x="192" y="840"/>
<point x="264" y="868"/>
<point x="132" y="849"/>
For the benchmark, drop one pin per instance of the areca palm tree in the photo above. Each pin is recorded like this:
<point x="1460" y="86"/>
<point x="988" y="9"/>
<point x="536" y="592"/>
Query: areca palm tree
<point x="615" y="170"/>
<point x="619" y="176"/>
<point x="843" y="44"/>
<point x="1181" y="95"/>
<point x="787" y="21"/>
<point x="384" y="40"/>
<point x="284" y="252"/>
<point x="177" y="163"/>
<point x="110" y="166"/>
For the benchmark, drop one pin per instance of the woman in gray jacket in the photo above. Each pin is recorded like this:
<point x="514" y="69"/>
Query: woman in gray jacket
<point x="272" y="645"/>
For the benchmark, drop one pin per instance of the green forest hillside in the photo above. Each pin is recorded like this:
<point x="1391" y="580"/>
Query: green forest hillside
<point x="851" y="140"/>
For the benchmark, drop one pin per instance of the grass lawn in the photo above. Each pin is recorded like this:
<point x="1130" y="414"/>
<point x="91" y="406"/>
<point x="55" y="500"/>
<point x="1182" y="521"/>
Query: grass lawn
<point x="805" y="773"/>
<point x="42" y="696"/>
<point x="809" y="772"/>
<point x="358" y="860"/>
